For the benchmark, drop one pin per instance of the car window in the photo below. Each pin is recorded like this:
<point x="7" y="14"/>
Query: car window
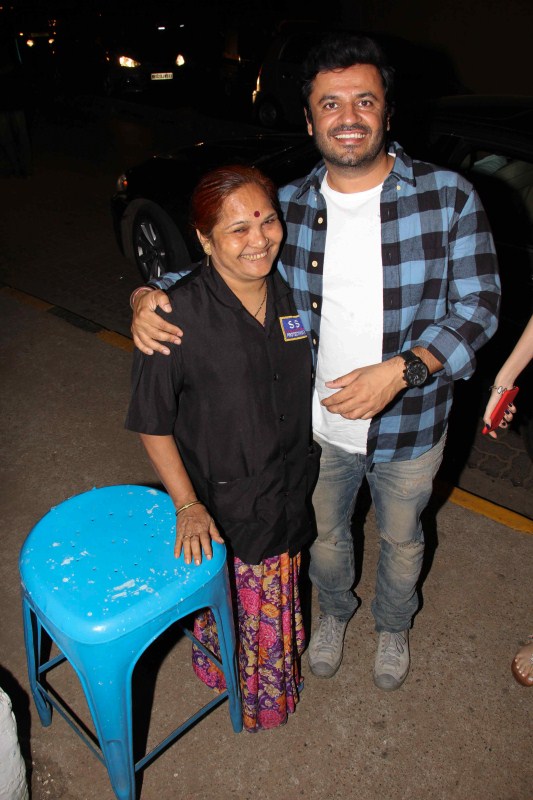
<point x="515" y="175"/>
<point x="506" y="188"/>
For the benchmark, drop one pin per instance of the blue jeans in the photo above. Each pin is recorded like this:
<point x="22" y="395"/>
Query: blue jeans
<point x="400" y="492"/>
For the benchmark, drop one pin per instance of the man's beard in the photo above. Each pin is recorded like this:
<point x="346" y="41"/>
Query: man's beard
<point x="350" y="159"/>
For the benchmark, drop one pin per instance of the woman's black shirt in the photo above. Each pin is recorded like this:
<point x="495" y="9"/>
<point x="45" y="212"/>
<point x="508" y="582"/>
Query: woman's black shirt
<point x="237" y="399"/>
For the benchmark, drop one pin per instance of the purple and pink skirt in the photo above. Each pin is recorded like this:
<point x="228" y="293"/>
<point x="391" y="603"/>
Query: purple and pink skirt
<point x="270" y="638"/>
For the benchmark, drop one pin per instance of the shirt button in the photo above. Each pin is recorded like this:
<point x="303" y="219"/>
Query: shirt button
<point x="314" y="263"/>
<point x="315" y="304"/>
<point x="284" y="456"/>
<point x="282" y="417"/>
<point x="320" y="220"/>
<point x="276" y="376"/>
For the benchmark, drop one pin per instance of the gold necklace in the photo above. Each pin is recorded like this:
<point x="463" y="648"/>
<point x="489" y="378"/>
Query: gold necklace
<point x="262" y="301"/>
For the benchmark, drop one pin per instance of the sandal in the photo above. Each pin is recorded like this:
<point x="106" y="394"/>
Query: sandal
<point x="522" y="664"/>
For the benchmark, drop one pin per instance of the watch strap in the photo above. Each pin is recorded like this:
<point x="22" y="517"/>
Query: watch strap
<point x="409" y="356"/>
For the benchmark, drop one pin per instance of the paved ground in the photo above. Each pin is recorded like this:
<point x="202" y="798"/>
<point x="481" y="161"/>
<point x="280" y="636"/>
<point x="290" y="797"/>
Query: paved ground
<point x="460" y="726"/>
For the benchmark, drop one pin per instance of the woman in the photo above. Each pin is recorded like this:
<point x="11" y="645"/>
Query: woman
<point x="226" y="423"/>
<point x="522" y="664"/>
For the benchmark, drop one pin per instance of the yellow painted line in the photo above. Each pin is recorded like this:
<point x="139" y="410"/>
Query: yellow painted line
<point x="484" y="507"/>
<point x="110" y="337"/>
<point x="116" y="340"/>
<point x="27" y="299"/>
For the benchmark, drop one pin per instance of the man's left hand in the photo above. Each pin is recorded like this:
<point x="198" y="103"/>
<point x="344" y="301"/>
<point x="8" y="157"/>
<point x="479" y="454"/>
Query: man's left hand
<point x="366" y="391"/>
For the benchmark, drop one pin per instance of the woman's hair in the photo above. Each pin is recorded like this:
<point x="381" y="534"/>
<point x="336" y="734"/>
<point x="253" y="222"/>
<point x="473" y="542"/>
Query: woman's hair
<point x="216" y="186"/>
<point x="342" y="50"/>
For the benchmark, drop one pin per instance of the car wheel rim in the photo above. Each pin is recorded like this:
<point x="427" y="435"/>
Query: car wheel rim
<point x="150" y="249"/>
<point x="268" y="114"/>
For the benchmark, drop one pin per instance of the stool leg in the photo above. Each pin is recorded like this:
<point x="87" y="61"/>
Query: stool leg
<point x="33" y="656"/>
<point x="226" y="641"/>
<point x="107" y="685"/>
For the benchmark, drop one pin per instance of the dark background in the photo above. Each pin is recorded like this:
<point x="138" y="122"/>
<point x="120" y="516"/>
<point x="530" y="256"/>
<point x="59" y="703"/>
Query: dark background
<point x="487" y="41"/>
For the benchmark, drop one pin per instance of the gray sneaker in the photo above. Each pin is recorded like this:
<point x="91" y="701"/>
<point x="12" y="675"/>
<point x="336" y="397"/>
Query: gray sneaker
<point x="392" y="660"/>
<point x="325" y="647"/>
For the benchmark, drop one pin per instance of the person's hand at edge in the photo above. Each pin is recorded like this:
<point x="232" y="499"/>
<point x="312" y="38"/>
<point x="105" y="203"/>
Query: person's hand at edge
<point x="509" y="412"/>
<point x="519" y="358"/>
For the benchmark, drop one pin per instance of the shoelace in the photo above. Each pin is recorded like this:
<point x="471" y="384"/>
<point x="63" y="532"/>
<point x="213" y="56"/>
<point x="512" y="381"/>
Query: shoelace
<point x="329" y="634"/>
<point x="390" y="654"/>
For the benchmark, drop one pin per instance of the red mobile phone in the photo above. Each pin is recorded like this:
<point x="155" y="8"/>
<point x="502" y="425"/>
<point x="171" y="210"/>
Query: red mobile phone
<point x="500" y="408"/>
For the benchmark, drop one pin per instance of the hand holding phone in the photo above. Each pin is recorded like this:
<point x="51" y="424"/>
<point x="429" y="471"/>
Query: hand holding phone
<point x="500" y="408"/>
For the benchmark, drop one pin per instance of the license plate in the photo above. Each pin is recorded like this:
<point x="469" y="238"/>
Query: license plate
<point x="162" y="76"/>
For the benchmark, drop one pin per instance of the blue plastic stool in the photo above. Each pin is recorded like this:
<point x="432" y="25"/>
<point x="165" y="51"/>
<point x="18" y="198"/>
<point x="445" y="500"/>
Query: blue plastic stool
<point x="99" y="575"/>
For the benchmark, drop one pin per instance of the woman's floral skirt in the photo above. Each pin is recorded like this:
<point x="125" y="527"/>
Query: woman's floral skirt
<point x="270" y="638"/>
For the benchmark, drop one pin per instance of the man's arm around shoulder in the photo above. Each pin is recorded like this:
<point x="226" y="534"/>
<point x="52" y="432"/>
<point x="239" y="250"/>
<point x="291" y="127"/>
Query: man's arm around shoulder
<point x="148" y="328"/>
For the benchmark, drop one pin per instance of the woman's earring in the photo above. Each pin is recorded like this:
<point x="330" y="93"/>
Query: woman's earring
<point x="207" y="249"/>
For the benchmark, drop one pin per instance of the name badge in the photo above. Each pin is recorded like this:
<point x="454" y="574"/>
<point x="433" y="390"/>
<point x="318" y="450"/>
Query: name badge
<point x="292" y="328"/>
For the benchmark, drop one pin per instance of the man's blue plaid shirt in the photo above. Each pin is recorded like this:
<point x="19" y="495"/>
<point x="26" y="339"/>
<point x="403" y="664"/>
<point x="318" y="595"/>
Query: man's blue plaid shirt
<point x="440" y="287"/>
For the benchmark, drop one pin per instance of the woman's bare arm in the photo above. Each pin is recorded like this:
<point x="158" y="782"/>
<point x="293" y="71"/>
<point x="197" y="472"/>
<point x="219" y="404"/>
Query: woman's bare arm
<point x="194" y="525"/>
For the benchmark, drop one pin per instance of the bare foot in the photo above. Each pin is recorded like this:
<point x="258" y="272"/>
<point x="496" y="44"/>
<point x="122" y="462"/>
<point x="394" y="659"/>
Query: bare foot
<point x="522" y="665"/>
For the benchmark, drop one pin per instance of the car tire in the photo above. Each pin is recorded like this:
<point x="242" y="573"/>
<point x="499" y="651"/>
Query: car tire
<point x="152" y="240"/>
<point x="268" y="114"/>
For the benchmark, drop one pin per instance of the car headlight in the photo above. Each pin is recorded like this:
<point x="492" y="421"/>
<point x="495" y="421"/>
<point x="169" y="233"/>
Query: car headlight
<point x="126" y="61"/>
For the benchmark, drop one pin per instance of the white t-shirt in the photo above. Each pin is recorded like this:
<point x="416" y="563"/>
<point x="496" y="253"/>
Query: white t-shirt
<point x="351" y="327"/>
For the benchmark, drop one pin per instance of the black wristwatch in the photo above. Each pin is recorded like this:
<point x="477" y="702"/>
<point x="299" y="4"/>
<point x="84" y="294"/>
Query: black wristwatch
<point x="416" y="372"/>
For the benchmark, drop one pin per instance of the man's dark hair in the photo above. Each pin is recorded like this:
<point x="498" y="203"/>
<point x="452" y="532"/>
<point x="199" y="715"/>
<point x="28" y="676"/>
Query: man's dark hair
<point x="342" y="50"/>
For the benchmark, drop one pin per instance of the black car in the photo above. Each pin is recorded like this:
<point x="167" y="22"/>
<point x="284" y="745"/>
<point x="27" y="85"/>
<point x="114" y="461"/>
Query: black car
<point x="151" y="206"/>
<point x="146" y="52"/>
<point x="490" y="140"/>
<point x="160" y="52"/>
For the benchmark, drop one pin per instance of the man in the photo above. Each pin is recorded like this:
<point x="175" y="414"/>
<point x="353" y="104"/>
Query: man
<point x="394" y="274"/>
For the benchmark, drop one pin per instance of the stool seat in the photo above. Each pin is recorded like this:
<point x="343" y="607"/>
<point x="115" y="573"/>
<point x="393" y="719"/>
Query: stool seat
<point x="98" y="574"/>
<point x="104" y="561"/>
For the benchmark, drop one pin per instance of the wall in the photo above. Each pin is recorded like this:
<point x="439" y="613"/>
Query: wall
<point x="489" y="42"/>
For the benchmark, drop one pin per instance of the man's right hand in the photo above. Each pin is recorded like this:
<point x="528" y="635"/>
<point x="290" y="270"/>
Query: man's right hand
<point x="148" y="328"/>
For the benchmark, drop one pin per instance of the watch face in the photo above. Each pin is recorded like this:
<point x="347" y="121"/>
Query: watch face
<point x="416" y="373"/>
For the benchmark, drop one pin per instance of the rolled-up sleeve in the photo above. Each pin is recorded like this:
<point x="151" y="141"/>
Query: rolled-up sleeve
<point x="473" y="289"/>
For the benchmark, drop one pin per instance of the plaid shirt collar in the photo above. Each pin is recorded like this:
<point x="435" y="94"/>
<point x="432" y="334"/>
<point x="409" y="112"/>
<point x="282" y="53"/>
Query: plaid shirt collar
<point x="402" y="170"/>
